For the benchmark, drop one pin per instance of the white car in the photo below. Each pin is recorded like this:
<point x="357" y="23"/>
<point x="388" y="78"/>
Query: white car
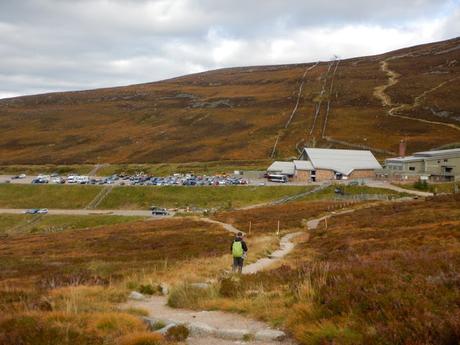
<point x="42" y="211"/>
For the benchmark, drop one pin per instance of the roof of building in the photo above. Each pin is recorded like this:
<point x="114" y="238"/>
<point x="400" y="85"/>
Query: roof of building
<point x="342" y="161"/>
<point x="405" y="159"/>
<point x="418" y="156"/>
<point x="435" y="153"/>
<point x="285" y="168"/>
<point x="303" y="165"/>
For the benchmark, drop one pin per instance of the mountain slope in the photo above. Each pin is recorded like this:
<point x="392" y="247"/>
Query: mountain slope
<point x="246" y="113"/>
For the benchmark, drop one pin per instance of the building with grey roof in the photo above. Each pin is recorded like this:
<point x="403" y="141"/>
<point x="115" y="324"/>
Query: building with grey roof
<point x="337" y="164"/>
<point x="282" y="168"/>
<point x="328" y="164"/>
<point x="435" y="166"/>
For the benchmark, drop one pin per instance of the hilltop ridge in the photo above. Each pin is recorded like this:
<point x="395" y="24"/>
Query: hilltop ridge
<point x="248" y="113"/>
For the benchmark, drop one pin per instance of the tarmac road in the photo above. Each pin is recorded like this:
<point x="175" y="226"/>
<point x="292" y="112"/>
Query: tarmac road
<point x="132" y="213"/>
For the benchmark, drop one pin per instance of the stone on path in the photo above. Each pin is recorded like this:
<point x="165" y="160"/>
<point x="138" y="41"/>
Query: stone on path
<point x="200" y="329"/>
<point x="270" y="335"/>
<point x="137" y="296"/>
<point x="232" y="334"/>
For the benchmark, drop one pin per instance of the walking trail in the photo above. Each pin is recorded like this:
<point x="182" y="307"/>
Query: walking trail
<point x="393" y="79"/>
<point x="223" y="328"/>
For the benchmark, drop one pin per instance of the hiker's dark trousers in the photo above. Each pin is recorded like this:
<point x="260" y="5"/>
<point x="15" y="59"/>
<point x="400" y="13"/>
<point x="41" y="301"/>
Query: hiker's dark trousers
<point x="238" y="264"/>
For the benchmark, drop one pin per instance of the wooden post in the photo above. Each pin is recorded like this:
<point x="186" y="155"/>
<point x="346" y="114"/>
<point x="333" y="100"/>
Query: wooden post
<point x="278" y="231"/>
<point x="325" y="222"/>
<point x="250" y="226"/>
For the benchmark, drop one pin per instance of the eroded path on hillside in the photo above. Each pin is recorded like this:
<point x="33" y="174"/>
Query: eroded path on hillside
<point x="393" y="79"/>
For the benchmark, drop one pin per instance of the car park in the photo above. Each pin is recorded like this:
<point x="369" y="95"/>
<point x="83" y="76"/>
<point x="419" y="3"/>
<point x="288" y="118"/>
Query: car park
<point x="145" y="180"/>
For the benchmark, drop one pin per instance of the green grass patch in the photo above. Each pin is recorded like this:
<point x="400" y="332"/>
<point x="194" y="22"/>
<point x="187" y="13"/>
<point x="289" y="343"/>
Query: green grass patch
<point x="448" y="187"/>
<point x="206" y="196"/>
<point x="46" y="196"/>
<point x="329" y="192"/>
<point x="79" y="196"/>
<point x="25" y="223"/>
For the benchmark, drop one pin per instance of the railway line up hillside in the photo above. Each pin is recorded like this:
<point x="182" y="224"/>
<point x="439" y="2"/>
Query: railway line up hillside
<point x="318" y="104"/>
<point x="328" y="106"/>
<point x="296" y="106"/>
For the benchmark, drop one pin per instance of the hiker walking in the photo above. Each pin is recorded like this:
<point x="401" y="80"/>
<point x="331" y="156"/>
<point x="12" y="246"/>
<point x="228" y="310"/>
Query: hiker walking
<point x="239" y="250"/>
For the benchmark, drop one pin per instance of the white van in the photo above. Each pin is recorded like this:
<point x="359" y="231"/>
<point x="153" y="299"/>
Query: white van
<point x="82" y="179"/>
<point x="72" y="179"/>
<point x="278" y="178"/>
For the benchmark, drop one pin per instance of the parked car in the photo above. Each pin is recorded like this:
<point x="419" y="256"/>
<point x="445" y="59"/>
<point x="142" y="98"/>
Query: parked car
<point x="157" y="211"/>
<point x="31" y="211"/>
<point x="339" y="191"/>
<point x="42" y="211"/>
<point x="39" y="181"/>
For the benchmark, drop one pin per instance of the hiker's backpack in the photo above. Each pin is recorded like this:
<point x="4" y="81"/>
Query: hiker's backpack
<point x="237" y="249"/>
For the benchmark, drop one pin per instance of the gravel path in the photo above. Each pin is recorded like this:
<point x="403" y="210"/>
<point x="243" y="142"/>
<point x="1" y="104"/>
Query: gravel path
<point x="224" y="325"/>
<point x="286" y="246"/>
<point x="223" y="328"/>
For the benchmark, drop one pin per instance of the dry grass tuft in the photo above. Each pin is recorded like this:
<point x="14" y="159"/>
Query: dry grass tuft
<point x="142" y="338"/>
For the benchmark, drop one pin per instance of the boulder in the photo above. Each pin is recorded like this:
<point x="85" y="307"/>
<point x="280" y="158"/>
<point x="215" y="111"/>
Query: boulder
<point x="137" y="296"/>
<point x="164" y="289"/>
<point x="232" y="334"/>
<point x="200" y="329"/>
<point x="270" y="335"/>
<point x="166" y="328"/>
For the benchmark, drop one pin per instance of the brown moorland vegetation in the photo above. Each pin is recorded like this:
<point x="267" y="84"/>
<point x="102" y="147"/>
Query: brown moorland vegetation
<point x="290" y="215"/>
<point x="382" y="275"/>
<point x="64" y="288"/>
<point x="237" y="113"/>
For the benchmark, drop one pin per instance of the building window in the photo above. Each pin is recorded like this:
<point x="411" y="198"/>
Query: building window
<point x="439" y="161"/>
<point x="411" y="168"/>
<point x="446" y="160"/>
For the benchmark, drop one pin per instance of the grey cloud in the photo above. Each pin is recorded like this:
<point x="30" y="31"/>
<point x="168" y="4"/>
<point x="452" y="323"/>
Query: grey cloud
<point x="49" y="45"/>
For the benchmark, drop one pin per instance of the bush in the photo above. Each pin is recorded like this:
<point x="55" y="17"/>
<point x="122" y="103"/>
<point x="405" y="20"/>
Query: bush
<point x="421" y="185"/>
<point x="147" y="289"/>
<point x="230" y="287"/>
<point x="187" y="296"/>
<point x="142" y="338"/>
<point x="177" y="333"/>
<point x="105" y="324"/>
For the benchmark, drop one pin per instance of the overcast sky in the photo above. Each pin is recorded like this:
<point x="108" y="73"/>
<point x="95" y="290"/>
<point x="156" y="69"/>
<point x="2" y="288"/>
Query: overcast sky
<point x="55" y="45"/>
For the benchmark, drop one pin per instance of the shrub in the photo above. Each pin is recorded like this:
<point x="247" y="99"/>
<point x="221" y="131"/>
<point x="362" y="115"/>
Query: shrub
<point x="421" y="185"/>
<point x="177" y="333"/>
<point x="114" y="324"/>
<point x="328" y="333"/>
<point x="147" y="289"/>
<point x="187" y="296"/>
<point x="230" y="287"/>
<point x="142" y="338"/>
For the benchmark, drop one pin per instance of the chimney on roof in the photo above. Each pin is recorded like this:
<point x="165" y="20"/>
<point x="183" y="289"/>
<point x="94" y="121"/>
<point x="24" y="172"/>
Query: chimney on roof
<point x="402" y="148"/>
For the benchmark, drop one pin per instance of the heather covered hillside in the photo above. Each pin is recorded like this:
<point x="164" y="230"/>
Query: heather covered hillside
<point x="246" y="113"/>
